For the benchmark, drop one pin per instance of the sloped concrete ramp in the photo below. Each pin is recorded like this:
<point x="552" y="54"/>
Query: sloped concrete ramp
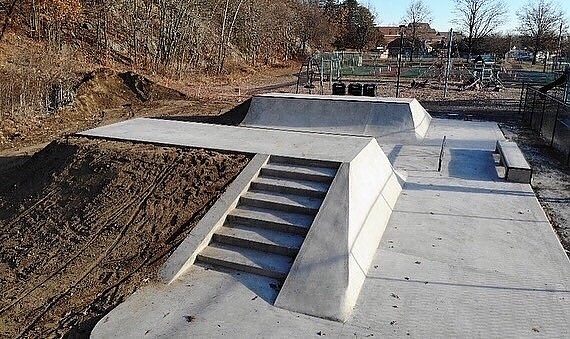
<point x="386" y="119"/>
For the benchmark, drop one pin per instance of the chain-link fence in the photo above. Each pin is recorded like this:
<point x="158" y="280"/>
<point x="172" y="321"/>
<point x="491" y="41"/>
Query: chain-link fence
<point x="548" y="116"/>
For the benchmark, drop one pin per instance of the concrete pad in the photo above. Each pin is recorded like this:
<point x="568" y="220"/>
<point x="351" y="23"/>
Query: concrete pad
<point x="465" y="254"/>
<point x="393" y="119"/>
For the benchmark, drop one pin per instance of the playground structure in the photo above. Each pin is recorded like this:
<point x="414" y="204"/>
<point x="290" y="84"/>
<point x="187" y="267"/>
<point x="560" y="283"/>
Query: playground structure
<point x="320" y="71"/>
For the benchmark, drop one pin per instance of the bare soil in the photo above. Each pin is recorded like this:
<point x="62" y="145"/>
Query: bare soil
<point x="84" y="223"/>
<point x="106" y="96"/>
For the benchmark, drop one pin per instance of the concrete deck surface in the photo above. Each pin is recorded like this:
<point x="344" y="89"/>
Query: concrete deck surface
<point x="465" y="254"/>
<point x="326" y="147"/>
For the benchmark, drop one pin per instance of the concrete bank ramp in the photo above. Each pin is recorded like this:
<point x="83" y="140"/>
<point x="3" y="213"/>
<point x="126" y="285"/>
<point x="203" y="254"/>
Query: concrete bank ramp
<point x="386" y="119"/>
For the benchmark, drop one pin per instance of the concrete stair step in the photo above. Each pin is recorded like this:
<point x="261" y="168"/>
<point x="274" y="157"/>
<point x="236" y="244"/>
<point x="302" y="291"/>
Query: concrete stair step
<point x="282" y="201"/>
<point x="271" y="219"/>
<point x="247" y="260"/>
<point x="291" y="186"/>
<point x="302" y="172"/>
<point x="303" y="162"/>
<point x="260" y="239"/>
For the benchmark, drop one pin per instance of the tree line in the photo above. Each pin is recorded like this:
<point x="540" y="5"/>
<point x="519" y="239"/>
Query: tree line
<point x="181" y="35"/>
<point x="542" y="25"/>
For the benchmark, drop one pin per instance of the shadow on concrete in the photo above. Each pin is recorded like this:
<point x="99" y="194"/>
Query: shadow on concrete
<point x="232" y="117"/>
<point x="424" y="282"/>
<point x="263" y="287"/>
<point x="472" y="165"/>
<point x="393" y="155"/>
<point x="466" y="216"/>
<point x="464" y="189"/>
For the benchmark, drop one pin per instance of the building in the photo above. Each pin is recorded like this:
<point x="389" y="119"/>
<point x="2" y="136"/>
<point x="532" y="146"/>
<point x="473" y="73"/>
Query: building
<point x="428" y="40"/>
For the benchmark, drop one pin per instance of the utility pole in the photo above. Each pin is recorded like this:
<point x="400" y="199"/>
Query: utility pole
<point x="448" y="66"/>
<point x="400" y="60"/>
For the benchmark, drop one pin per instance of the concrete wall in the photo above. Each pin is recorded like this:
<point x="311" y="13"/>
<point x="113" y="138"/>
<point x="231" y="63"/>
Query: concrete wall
<point x="331" y="266"/>
<point x="390" y="119"/>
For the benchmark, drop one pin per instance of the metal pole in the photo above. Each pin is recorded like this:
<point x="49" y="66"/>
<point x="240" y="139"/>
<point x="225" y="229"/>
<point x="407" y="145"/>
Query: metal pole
<point x="521" y="99"/>
<point x="447" y="69"/>
<point x="555" y="123"/>
<point x="533" y="106"/>
<point x="542" y="116"/>
<point x="399" y="62"/>
<point x="525" y="118"/>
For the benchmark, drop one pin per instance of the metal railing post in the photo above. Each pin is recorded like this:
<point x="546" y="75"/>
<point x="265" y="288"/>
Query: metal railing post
<point x="520" y="101"/>
<point x="533" y="105"/>
<point x="525" y="105"/>
<point x="542" y="115"/>
<point x="555" y="123"/>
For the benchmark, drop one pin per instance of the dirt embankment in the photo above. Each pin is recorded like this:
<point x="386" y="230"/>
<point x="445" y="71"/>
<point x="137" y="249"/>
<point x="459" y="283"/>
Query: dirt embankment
<point x="84" y="223"/>
<point x="102" y="96"/>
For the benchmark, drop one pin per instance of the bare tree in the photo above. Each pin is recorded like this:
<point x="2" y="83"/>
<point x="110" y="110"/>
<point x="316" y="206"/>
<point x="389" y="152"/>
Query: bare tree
<point x="8" y="18"/>
<point x="539" y="20"/>
<point x="416" y="13"/>
<point x="478" y="18"/>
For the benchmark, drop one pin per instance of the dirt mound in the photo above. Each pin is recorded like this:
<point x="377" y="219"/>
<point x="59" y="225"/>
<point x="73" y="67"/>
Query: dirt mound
<point x="84" y="223"/>
<point x="103" y="96"/>
<point x="106" y="89"/>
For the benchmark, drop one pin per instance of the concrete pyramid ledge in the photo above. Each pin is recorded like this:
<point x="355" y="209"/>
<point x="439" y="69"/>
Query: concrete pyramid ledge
<point x="328" y="273"/>
<point x="389" y="119"/>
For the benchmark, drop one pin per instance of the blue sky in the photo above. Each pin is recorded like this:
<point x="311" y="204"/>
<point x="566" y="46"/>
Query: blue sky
<point x="390" y="12"/>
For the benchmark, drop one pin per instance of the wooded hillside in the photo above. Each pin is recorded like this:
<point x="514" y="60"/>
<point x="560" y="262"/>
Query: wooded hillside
<point x="172" y="36"/>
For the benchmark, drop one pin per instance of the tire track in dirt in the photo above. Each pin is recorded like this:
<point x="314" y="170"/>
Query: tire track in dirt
<point x="108" y="262"/>
<point x="150" y="189"/>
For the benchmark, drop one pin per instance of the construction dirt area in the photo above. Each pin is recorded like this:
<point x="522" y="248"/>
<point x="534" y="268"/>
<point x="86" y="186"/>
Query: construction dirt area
<point x="85" y="222"/>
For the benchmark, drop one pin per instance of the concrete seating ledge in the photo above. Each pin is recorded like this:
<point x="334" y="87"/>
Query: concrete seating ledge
<point x="517" y="168"/>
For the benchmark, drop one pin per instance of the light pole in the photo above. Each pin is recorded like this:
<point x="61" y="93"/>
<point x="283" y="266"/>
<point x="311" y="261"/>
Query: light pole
<point x="400" y="60"/>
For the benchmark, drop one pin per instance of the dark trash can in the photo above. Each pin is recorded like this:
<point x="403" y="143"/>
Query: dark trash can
<point x="369" y="90"/>
<point x="338" y="88"/>
<point x="355" y="89"/>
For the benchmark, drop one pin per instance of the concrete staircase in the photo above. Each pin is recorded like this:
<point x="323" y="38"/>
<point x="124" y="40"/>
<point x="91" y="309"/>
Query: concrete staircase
<point x="264" y="233"/>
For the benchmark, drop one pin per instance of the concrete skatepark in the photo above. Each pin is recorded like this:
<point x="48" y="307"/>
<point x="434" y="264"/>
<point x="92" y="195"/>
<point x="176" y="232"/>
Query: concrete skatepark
<point x="341" y="225"/>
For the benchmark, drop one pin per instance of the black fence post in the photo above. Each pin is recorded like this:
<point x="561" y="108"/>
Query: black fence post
<point x="555" y="123"/>
<point x="543" y="113"/>
<point x="520" y="101"/>
<point x="533" y="105"/>
<point x="525" y="105"/>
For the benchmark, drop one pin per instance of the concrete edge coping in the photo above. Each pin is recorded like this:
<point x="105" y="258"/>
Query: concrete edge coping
<point x="199" y="238"/>
<point x="349" y="98"/>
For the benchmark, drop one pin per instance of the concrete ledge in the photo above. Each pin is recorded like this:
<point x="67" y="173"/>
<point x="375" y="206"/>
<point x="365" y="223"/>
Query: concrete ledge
<point x="517" y="168"/>
<point x="327" y="275"/>
<point x="199" y="238"/>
